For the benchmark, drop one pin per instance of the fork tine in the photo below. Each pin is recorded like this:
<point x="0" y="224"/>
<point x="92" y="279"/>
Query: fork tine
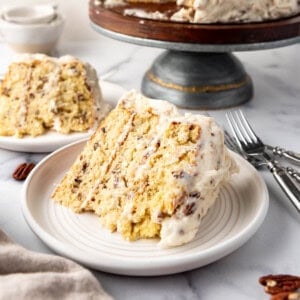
<point x="230" y="123"/>
<point x="235" y="130"/>
<point x="248" y="126"/>
<point x="229" y="140"/>
<point x="241" y="126"/>
<point x="229" y="143"/>
<point x="227" y="135"/>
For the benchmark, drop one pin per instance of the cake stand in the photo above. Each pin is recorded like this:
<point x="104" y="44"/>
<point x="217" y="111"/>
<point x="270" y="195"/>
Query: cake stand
<point x="198" y="69"/>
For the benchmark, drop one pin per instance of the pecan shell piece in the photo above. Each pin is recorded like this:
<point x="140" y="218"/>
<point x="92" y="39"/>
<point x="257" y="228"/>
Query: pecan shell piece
<point x="22" y="171"/>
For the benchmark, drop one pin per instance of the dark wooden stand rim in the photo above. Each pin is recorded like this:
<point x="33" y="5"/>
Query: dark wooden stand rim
<point x="114" y="20"/>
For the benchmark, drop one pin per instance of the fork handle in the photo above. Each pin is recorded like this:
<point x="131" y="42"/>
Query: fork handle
<point x="286" y="183"/>
<point x="293" y="173"/>
<point x="291" y="156"/>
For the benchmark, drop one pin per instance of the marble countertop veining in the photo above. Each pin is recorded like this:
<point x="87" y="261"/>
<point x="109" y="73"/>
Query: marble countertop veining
<point x="274" y="112"/>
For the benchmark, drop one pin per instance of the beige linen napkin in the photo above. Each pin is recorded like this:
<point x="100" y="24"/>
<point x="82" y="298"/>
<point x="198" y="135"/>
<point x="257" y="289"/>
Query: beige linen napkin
<point x="29" y="275"/>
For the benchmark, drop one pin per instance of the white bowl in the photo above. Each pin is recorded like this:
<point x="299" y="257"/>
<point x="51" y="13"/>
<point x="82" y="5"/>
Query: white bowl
<point x="32" y="38"/>
<point x="29" y="14"/>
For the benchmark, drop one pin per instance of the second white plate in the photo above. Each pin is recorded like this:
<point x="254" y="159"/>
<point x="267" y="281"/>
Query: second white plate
<point x="235" y="217"/>
<point x="53" y="140"/>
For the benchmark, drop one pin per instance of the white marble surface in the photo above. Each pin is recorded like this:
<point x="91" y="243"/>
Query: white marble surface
<point x="274" y="111"/>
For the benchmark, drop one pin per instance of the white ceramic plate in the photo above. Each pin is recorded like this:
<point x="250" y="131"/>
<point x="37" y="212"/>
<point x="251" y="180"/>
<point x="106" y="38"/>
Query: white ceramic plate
<point x="237" y="214"/>
<point x="53" y="140"/>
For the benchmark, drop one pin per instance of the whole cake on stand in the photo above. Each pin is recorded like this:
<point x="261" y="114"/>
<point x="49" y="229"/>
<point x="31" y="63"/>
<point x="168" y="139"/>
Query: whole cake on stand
<point x="198" y="69"/>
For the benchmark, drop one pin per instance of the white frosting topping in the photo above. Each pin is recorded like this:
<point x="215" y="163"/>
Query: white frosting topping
<point x="113" y="3"/>
<point x="144" y="14"/>
<point x="210" y="11"/>
<point x="219" y="11"/>
<point x="214" y="167"/>
<point x="183" y="15"/>
<point x="93" y="82"/>
<point x="57" y="124"/>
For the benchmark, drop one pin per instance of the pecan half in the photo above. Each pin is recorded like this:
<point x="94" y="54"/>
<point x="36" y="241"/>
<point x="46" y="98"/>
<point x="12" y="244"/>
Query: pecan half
<point x="22" y="171"/>
<point x="189" y="209"/>
<point x="96" y="145"/>
<point x="5" y="92"/>
<point x="275" y="284"/>
<point x="195" y="195"/>
<point x="178" y="174"/>
<point x="84" y="166"/>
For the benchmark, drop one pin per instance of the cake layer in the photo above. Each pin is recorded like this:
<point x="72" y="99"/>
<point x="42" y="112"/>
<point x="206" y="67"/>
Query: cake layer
<point x="39" y="93"/>
<point x="149" y="172"/>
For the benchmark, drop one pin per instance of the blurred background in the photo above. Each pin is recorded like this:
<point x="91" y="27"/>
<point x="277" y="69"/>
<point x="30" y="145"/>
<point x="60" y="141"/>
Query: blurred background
<point x="76" y="13"/>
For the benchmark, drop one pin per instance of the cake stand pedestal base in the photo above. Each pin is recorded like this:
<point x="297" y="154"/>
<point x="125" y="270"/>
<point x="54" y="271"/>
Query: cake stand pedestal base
<point x="198" y="80"/>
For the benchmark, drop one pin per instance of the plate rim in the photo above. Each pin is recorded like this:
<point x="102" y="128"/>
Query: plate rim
<point x="182" y="264"/>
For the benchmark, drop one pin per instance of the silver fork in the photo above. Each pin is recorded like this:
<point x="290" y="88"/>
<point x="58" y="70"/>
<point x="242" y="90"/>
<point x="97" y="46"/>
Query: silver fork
<point x="253" y="146"/>
<point x="257" y="163"/>
<point x="232" y="145"/>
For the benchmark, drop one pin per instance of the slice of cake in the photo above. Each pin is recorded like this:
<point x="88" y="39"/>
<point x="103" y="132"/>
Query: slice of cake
<point x="41" y="93"/>
<point x="148" y="171"/>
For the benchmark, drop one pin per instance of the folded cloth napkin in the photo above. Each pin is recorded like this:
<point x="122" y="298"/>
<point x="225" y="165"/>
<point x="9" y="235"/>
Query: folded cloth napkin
<point x="29" y="275"/>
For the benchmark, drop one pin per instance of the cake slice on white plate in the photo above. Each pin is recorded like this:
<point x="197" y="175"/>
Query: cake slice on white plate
<point x="149" y="172"/>
<point x="41" y="93"/>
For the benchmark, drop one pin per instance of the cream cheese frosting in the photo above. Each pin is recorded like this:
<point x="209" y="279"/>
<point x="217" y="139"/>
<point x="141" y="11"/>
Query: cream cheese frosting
<point x="213" y="169"/>
<point x="226" y="11"/>
<point x="146" y="15"/>
<point x="217" y="11"/>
